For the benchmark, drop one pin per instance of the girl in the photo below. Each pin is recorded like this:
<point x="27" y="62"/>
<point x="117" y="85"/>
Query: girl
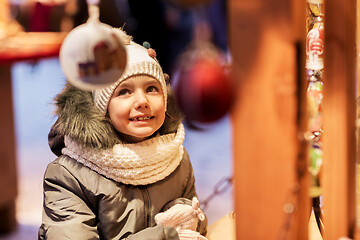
<point x="122" y="172"/>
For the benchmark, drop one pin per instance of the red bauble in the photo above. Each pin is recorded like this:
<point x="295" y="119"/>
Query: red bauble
<point x="204" y="91"/>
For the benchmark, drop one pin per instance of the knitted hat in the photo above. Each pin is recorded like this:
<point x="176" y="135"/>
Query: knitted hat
<point x="139" y="62"/>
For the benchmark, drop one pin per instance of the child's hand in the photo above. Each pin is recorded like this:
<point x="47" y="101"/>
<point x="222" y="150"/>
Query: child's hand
<point x="181" y="216"/>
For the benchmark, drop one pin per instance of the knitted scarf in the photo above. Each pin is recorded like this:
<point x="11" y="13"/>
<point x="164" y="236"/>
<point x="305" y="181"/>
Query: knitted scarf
<point x="141" y="163"/>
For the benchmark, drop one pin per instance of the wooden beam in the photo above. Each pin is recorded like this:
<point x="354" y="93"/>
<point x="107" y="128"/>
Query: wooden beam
<point x="271" y="186"/>
<point x="339" y="118"/>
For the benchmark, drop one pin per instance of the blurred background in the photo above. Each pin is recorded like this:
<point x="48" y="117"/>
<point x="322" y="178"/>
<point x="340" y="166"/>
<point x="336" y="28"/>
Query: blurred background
<point x="169" y="28"/>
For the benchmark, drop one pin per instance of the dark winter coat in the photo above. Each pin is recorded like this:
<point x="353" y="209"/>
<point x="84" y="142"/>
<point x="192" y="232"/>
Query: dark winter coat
<point x="81" y="204"/>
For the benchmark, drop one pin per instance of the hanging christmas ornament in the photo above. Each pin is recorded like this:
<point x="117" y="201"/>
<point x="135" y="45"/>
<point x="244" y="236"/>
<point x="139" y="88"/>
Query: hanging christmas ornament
<point x="316" y="156"/>
<point x="314" y="48"/>
<point x="314" y="98"/>
<point x="314" y="66"/>
<point x="316" y="7"/>
<point x="204" y="90"/>
<point x="315" y="13"/>
<point x="92" y="56"/>
<point x="315" y="36"/>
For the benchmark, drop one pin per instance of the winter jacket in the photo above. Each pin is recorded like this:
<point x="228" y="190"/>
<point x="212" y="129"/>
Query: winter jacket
<point x="80" y="203"/>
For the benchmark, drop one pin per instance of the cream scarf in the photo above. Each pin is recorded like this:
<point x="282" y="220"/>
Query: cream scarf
<point x="141" y="163"/>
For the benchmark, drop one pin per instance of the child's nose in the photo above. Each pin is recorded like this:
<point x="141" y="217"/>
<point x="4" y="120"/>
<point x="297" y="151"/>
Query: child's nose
<point x="141" y="100"/>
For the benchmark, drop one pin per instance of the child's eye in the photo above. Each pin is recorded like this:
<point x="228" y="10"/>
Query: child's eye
<point x="123" y="92"/>
<point x="152" y="89"/>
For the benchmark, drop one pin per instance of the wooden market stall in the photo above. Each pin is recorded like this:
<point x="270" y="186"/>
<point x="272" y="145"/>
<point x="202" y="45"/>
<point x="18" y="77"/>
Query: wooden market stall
<point x="15" y="45"/>
<point x="269" y="156"/>
<point x="339" y="119"/>
<point x="271" y="189"/>
<point x="269" y="118"/>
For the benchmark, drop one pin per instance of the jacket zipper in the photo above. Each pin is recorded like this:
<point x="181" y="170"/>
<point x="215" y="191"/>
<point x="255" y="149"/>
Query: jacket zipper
<point x="147" y="211"/>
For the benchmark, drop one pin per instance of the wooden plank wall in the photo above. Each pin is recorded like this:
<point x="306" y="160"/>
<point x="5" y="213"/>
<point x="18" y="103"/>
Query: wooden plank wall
<point x="269" y="159"/>
<point x="339" y="118"/>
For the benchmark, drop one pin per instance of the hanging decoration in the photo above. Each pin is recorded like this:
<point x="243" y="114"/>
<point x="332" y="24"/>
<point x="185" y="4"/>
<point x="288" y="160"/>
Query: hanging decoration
<point x="315" y="44"/>
<point x="91" y="56"/>
<point x="314" y="67"/>
<point x="204" y="90"/>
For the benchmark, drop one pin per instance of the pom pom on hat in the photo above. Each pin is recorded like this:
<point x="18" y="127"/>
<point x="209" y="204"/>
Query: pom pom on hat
<point x="146" y="45"/>
<point x="151" y="51"/>
<point x="139" y="62"/>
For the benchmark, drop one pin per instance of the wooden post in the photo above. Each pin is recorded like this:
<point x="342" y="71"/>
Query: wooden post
<point x="339" y="119"/>
<point x="8" y="180"/>
<point x="4" y="11"/>
<point x="357" y="177"/>
<point x="270" y="166"/>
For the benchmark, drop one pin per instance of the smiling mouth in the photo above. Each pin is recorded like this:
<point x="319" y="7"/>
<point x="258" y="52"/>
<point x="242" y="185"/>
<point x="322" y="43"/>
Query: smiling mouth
<point x="141" y="119"/>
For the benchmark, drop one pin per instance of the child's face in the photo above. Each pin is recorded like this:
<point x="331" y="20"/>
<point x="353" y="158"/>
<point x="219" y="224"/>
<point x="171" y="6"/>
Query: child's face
<point x="137" y="108"/>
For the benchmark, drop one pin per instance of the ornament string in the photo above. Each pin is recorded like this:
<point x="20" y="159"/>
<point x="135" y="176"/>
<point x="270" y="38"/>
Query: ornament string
<point x="93" y="8"/>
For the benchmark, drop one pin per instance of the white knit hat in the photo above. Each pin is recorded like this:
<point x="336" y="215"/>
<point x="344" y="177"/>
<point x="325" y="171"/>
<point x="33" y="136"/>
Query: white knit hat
<point x="139" y="62"/>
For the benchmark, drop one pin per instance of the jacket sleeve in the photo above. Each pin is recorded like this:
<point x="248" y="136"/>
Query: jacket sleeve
<point x="188" y="193"/>
<point x="66" y="214"/>
<point x="158" y="232"/>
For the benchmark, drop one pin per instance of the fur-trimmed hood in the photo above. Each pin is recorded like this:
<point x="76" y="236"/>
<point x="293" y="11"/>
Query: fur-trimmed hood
<point x="79" y="119"/>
